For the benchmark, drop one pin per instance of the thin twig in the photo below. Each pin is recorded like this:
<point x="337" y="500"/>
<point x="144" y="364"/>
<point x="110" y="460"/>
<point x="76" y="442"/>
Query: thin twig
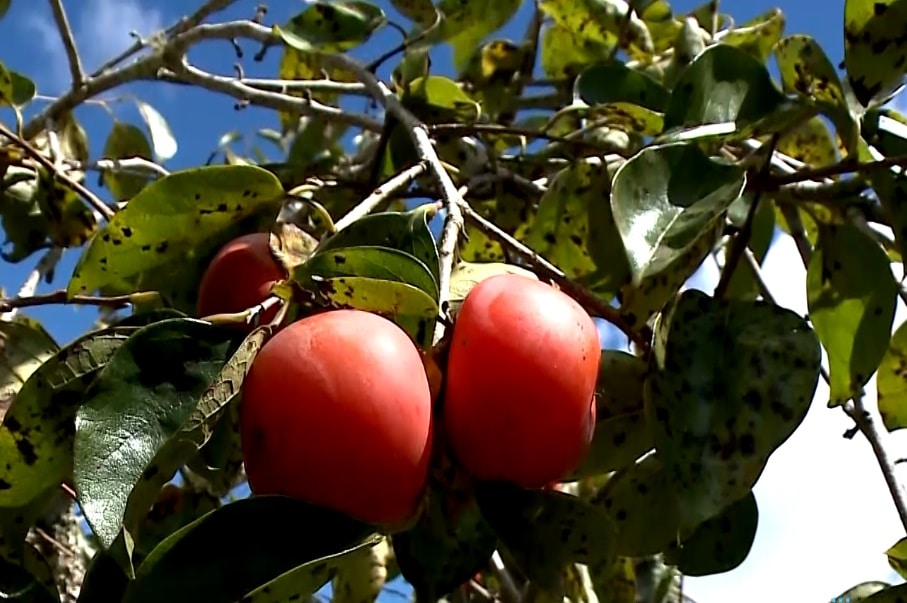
<point x="382" y="194"/>
<point x="867" y="427"/>
<point x="450" y="196"/>
<point x="236" y="88"/>
<point x="45" y="266"/>
<point x="548" y="270"/>
<point x="842" y="167"/>
<point x="743" y="236"/>
<point x="861" y="417"/>
<point x="129" y="165"/>
<point x="61" y="297"/>
<point x="93" y="200"/>
<point x="69" y="43"/>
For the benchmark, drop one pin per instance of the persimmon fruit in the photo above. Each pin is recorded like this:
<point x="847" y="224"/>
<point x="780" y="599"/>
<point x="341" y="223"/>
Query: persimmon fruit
<point x="336" y="411"/>
<point x="239" y="276"/>
<point x="519" y="401"/>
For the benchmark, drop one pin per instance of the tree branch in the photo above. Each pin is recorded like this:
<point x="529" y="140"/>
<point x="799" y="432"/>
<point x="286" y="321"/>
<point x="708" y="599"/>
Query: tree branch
<point x="62" y="298"/>
<point x="69" y="43"/>
<point x="236" y="88"/>
<point x="93" y="200"/>
<point x="450" y="196"/>
<point x="382" y="194"/>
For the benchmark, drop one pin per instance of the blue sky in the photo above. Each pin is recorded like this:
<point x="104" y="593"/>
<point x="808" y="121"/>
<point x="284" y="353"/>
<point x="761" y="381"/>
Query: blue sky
<point x="825" y="515"/>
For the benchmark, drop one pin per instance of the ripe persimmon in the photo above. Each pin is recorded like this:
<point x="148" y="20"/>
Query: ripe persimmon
<point x="336" y="411"/>
<point x="239" y="277"/>
<point x="519" y="401"/>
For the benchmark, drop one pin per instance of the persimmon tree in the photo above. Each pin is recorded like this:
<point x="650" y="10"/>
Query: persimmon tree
<point x="607" y="154"/>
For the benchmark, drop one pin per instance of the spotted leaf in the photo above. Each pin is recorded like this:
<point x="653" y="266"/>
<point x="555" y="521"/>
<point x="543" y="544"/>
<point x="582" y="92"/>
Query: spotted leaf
<point x="851" y="295"/>
<point x="875" y="52"/>
<point x="734" y="379"/>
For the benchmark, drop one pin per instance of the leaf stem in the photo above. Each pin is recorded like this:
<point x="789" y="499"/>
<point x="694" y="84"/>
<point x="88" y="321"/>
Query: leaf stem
<point x="69" y="43"/>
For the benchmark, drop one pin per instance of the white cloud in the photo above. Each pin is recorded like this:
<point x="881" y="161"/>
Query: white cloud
<point x="825" y="514"/>
<point x="101" y="29"/>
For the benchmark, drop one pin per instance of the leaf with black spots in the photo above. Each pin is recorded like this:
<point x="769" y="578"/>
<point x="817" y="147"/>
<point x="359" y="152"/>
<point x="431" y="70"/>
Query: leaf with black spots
<point x="617" y="442"/>
<point x="138" y="403"/>
<point x="404" y="231"/>
<point x="719" y="544"/>
<point x="24" y="346"/>
<point x="171" y="217"/>
<point x="574" y="228"/>
<point x="759" y="35"/>
<point x="875" y="52"/>
<point x="545" y="530"/>
<point x="734" y="379"/>
<point x="221" y="557"/>
<point x="335" y="26"/>
<point x="891" y="382"/>
<point x="640" y="501"/>
<point x="806" y="70"/>
<point x="851" y="294"/>
<point x="36" y="435"/>
<point x="444" y="550"/>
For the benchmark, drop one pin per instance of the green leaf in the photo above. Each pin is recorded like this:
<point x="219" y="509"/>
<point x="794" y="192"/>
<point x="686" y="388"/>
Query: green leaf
<point x="6" y="86"/>
<point x="604" y="21"/>
<point x="897" y="557"/>
<point x="721" y="543"/>
<point x="162" y="139"/>
<point x="512" y="211"/>
<point x="437" y="99"/>
<point x="335" y="26"/>
<point x="372" y="262"/>
<point x="665" y="198"/>
<point x="810" y="142"/>
<point x="467" y="22"/>
<point x="851" y="295"/>
<point x="564" y="52"/>
<point x="169" y="218"/>
<point x="419" y="11"/>
<point x="628" y="117"/>
<point x="806" y="70"/>
<point x="137" y="404"/>
<point x="23" y="88"/>
<point x="640" y="501"/>
<point x="304" y="580"/>
<point x="874" y="51"/>
<point x="726" y="86"/>
<point x="24" y="346"/>
<point x="4" y="6"/>
<point x="758" y="36"/>
<point x="222" y="556"/>
<point x="408" y="306"/>
<point x="404" y="231"/>
<point x="545" y="530"/>
<point x="37" y="432"/>
<point x="125" y="140"/>
<point x="104" y="581"/>
<point x="893" y="594"/>
<point x="621" y="432"/>
<point x="616" y="83"/>
<point x="444" y="550"/>
<point x="26" y="576"/>
<point x="575" y="229"/>
<point x="716" y="415"/>
<point x="891" y="382"/>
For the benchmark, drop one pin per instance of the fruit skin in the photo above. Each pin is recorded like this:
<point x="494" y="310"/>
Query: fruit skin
<point x="519" y="400"/>
<point x="336" y="411"/>
<point x="239" y="276"/>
